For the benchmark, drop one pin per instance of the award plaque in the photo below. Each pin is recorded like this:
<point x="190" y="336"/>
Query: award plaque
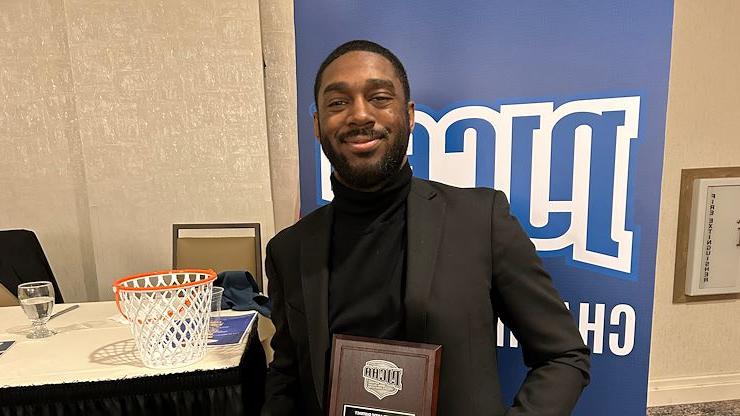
<point x="377" y="377"/>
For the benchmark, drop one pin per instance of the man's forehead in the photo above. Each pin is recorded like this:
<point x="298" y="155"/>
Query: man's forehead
<point x="359" y="66"/>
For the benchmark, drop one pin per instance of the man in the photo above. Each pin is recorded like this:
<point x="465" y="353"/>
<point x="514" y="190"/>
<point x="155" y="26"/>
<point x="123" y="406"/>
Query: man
<point x="398" y="257"/>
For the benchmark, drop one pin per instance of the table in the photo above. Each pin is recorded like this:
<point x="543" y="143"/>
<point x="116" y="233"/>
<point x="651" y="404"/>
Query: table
<point x="91" y="367"/>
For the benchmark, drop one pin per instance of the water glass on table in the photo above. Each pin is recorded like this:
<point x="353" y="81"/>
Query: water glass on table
<point x="215" y="324"/>
<point x="37" y="301"/>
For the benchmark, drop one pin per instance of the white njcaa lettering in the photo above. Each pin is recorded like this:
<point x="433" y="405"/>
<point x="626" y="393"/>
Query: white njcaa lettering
<point x="629" y="325"/>
<point x="382" y="378"/>
<point x="621" y="342"/>
<point x="458" y="168"/>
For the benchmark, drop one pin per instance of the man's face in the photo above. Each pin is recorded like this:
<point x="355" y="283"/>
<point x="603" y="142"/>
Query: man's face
<point x="363" y="119"/>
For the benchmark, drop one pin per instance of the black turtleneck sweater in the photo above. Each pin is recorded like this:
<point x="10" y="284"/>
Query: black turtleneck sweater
<point x="368" y="258"/>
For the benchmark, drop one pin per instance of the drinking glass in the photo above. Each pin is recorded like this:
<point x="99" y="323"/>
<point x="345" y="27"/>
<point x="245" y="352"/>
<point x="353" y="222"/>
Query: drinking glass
<point x="37" y="301"/>
<point x="215" y="322"/>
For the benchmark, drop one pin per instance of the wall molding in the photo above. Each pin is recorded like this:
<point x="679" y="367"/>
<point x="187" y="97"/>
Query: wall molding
<point x="695" y="389"/>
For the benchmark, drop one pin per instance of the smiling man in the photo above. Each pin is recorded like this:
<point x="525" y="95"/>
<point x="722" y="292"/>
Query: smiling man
<point x="397" y="257"/>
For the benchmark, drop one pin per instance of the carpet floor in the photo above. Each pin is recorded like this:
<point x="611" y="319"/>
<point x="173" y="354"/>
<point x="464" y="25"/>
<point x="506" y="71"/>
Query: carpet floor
<point x="728" y="408"/>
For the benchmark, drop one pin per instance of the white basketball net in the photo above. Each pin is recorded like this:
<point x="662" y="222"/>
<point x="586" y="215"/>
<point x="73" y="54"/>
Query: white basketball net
<point x="169" y="319"/>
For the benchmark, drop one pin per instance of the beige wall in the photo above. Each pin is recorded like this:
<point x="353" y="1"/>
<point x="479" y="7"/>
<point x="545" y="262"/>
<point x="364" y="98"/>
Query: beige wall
<point x="41" y="172"/>
<point x="278" y="46"/>
<point x="697" y="339"/>
<point x="122" y="118"/>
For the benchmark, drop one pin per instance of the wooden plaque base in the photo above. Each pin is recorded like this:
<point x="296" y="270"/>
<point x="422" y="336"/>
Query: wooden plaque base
<point x="376" y="377"/>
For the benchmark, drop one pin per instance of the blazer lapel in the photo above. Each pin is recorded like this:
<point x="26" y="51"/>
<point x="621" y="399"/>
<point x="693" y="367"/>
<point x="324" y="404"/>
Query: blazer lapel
<point x="424" y="220"/>
<point x="315" y="281"/>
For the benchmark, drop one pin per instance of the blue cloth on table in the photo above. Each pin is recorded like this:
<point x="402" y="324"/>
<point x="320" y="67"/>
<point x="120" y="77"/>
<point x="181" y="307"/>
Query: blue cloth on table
<point x="241" y="292"/>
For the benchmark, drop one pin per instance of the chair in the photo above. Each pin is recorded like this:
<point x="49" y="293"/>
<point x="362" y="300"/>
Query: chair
<point x="23" y="260"/>
<point x="7" y="298"/>
<point x="223" y="247"/>
<point x="219" y="247"/>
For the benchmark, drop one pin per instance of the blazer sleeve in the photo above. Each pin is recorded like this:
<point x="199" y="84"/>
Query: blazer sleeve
<point x="527" y="302"/>
<point x="281" y="384"/>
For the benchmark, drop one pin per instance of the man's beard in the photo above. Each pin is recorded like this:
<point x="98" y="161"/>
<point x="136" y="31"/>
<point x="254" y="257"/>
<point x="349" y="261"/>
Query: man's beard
<point x="368" y="176"/>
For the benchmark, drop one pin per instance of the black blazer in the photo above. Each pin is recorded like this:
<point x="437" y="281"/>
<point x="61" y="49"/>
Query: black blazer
<point x="468" y="263"/>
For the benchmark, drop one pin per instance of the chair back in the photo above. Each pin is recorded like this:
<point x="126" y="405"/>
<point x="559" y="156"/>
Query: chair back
<point x="23" y="260"/>
<point x="7" y="298"/>
<point x="221" y="247"/>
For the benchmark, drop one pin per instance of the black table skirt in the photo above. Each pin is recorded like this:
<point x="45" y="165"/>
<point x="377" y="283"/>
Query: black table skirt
<point x="233" y="391"/>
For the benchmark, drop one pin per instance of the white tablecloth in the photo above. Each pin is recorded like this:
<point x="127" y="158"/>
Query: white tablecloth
<point x="90" y="346"/>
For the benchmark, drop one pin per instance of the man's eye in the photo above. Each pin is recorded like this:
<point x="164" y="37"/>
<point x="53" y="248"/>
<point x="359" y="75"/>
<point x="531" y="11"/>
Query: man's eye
<point x="381" y="99"/>
<point x="334" y="103"/>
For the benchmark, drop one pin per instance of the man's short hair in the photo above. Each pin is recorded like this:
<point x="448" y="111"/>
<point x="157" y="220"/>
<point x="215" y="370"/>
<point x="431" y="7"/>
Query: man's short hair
<point x="366" y="46"/>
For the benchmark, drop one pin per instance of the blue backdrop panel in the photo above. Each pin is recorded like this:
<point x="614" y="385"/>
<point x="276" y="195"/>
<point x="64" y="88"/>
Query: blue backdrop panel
<point x="559" y="104"/>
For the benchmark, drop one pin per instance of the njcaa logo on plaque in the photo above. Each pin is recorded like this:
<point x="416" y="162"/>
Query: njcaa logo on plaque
<point x="382" y="378"/>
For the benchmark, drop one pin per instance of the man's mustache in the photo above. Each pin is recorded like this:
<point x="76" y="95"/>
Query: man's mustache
<point x="370" y="132"/>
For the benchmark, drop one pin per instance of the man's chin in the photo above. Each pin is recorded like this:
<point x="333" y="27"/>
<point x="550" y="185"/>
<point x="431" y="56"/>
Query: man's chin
<point x="362" y="177"/>
<point x="366" y="171"/>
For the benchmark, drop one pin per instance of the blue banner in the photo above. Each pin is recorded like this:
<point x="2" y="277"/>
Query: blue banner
<point x="562" y="106"/>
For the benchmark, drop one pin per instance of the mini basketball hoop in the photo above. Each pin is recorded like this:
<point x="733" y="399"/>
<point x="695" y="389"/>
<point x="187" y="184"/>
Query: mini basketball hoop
<point x="168" y="312"/>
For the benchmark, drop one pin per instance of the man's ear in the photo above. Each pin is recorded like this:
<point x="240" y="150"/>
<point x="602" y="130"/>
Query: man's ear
<point x="316" y="128"/>
<point x="410" y="109"/>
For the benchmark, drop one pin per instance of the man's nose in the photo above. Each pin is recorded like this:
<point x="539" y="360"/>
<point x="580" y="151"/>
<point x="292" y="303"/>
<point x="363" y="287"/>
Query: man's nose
<point x="361" y="114"/>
